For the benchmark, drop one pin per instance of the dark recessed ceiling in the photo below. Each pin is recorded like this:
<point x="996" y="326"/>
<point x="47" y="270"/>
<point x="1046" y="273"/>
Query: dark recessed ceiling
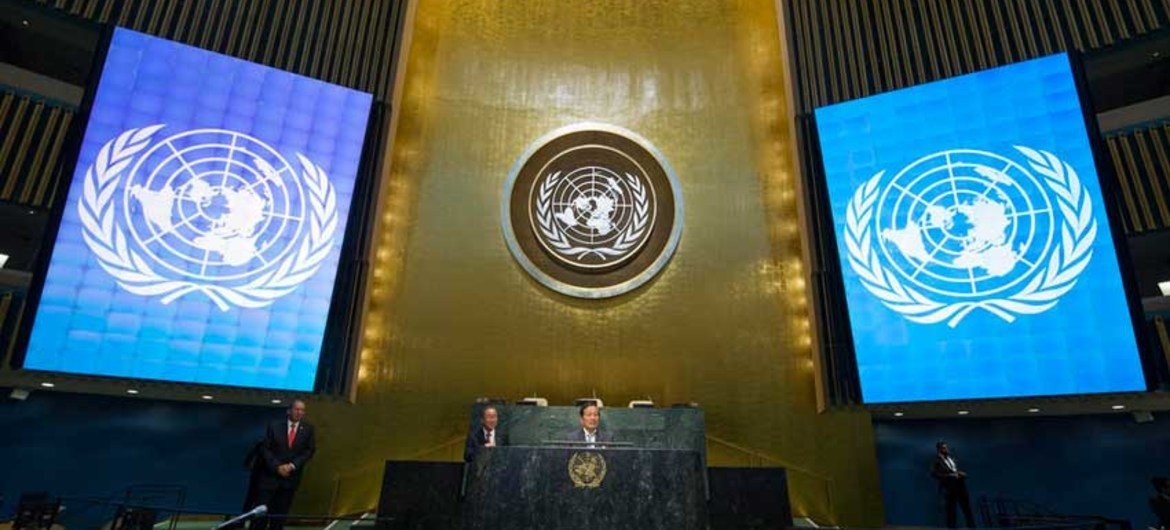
<point x="1150" y="254"/>
<point x="20" y="238"/>
<point x="47" y="41"/>
<point x="1130" y="72"/>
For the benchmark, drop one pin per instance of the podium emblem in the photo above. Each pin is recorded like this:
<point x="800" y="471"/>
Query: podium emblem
<point x="592" y="211"/>
<point x="587" y="470"/>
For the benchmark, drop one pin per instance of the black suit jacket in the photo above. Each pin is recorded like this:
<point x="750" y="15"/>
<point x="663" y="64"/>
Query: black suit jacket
<point x="942" y="473"/>
<point x="275" y="452"/>
<point x="578" y="435"/>
<point x="476" y="439"/>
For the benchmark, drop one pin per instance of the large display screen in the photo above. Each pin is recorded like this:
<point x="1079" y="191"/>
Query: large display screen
<point x="975" y="249"/>
<point x="204" y="222"/>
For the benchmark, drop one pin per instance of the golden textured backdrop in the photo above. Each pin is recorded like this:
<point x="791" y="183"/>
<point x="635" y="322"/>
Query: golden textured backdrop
<point x="452" y="316"/>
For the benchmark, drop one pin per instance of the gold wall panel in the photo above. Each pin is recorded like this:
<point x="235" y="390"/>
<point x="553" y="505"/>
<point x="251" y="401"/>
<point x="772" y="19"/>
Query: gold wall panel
<point x="452" y="316"/>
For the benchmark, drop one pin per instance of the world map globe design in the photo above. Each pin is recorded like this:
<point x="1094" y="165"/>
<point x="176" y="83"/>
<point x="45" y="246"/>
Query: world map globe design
<point x="593" y="206"/>
<point x="965" y="223"/>
<point x="213" y="204"/>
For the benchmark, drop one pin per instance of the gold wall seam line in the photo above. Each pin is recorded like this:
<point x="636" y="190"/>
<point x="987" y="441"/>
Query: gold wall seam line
<point x="55" y="172"/>
<point x="341" y="58"/>
<point x="866" y="62"/>
<point x="370" y="48"/>
<point x="1123" y="31"/>
<point x="1027" y="28"/>
<point x="1163" y="336"/>
<point x="277" y="25"/>
<point x="914" y="50"/>
<point x="155" y="18"/>
<point x="1090" y="24"/>
<point x="250" y="40"/>
<point x="1160" y="143"/>
<point x="925" y="22"/>
<point x="1072" y="22"/>
<point x="223" y="20"/>
<point x="322" y="40"/>
<point x="16" y="170"/>
<point x="833" y="66"/>
<point x="17" y="123"/>
<point x="1001" y="30"/>
<point x="1060" y="34"/>
<point x="44" y="137"/>
<point x="1149" y="174"/>
<point x="987" y="37"/>
<point x="813" y="70"/>
<point x="887" y="78"/>
<point x="1138" y="16"/>
<point x="1126" y="190"/>
<point x="1017" y="40"/>
<point x="802" y="66"/>
<point x="1151" y="15"/>
<point x="307" y="44"/>
<point x="1135" y="172"/>
<point x="357" y="41"/>
<point x="294" y="20"/>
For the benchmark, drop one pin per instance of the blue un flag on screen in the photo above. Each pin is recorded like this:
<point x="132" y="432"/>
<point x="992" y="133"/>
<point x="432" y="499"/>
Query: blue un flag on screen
<point x="976" y="252"/>
<point x="204" y="222"/>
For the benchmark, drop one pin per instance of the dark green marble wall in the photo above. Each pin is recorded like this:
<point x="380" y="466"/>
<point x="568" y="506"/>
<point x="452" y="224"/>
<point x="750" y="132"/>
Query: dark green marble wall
<point x="638" y="489"/>
<point x="673" y="428"/>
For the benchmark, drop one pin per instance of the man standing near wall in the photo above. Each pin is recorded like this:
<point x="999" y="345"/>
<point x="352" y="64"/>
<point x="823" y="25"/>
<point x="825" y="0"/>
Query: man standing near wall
<point x="952" y="484"/>
<point x="288" y="446"/>
<point x="487" y="435"/>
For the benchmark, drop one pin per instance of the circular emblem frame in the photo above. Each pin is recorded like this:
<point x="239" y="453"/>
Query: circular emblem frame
<point x="592" y="210"/>
<point x="587" y="469"/>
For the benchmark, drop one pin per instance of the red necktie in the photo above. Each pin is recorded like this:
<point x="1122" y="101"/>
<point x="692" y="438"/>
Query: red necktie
<point x="292" y="435"/>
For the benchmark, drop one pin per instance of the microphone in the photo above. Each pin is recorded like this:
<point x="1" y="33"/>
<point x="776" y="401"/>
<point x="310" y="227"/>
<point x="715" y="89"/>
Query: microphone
<point x="257" y="511"/>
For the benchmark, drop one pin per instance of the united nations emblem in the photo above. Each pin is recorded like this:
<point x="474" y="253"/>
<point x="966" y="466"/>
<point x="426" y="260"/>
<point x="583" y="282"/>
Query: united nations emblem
<point x="207" y="211"/>
<point x="592" y="211"/>
<point x="961" y="230"/>
<point x="587" y="470"/>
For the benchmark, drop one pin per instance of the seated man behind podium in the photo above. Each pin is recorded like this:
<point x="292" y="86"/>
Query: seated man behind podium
<point x="487" y="435"/>
<point x="590" y="431"/>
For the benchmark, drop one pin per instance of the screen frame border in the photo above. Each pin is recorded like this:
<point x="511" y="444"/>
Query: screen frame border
<point x="67" y="165"/>
<point x="1107" y="180"/>
<point x="1111" y="193"/>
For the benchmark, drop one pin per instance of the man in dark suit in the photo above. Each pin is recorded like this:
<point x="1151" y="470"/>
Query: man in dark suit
<point x="487" y="435"/>
<point x="590" y="431"/>
<point x="288" y="446"/>
<point x="952" y="484"/>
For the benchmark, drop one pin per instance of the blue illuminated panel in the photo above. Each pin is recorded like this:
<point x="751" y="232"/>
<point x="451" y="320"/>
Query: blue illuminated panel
<point x="204" y="222"/>
<point x="976" y="252"/>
